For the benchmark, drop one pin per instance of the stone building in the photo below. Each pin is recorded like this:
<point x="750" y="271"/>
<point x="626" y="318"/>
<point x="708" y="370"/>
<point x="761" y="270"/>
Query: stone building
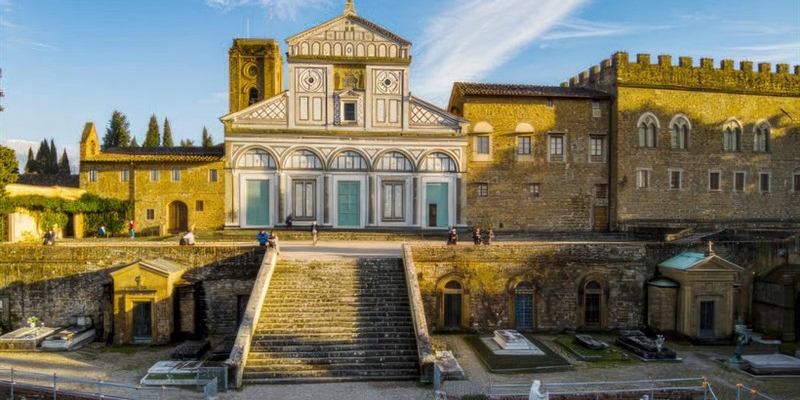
<point x="172" y="189"/>
<point x="346" y="145"/>
<point x="538" y="156"/>
<point x="699" y="144"/>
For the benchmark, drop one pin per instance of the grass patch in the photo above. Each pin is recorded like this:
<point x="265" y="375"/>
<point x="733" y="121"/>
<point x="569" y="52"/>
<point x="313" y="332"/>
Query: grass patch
<point x="123" y="349"/>
<point x="517" y="364"/>
<point x="609" y="354"/>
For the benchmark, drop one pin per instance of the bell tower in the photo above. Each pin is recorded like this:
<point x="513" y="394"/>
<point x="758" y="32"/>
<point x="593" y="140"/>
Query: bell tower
<point x="256" y="72"/>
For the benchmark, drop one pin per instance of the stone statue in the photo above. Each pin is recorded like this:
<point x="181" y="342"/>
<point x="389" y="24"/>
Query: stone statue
<point x="742" y="340"/>
<point x="536" y="392"/>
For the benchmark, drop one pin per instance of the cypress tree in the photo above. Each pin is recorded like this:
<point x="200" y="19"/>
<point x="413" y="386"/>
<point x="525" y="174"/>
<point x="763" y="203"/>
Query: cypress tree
<point x="31" y="166"/>
<point x="52" y="159"/>
<point x="118" y="132"/>
<point x="166" y="140"/>
<point x="207" y="141"/>
<point x="63" y="164"/>
<point x="153" y="138"/>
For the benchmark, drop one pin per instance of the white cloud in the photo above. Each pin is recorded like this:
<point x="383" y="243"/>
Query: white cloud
<point x="477" y="36"/>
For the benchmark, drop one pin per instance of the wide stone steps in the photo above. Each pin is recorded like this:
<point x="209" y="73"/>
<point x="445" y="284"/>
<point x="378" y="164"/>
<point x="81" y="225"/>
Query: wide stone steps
<point x="334" y="321"/>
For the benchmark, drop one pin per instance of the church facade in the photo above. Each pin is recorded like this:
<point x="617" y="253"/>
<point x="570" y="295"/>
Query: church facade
<point x="346" y="145"/>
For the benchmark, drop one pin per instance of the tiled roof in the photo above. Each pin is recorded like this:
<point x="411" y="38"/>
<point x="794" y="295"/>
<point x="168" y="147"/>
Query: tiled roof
<point x="159" y="154"/>
<point x="502" y="89"/>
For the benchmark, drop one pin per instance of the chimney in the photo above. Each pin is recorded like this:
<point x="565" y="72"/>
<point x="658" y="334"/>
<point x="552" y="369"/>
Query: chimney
<point x="710" y="250"/>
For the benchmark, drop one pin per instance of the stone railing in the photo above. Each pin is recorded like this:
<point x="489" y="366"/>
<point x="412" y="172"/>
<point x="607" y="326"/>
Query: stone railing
<point x="426" y="357"/>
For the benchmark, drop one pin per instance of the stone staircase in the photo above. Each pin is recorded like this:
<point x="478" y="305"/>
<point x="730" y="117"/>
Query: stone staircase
<point x="343" y="320"/>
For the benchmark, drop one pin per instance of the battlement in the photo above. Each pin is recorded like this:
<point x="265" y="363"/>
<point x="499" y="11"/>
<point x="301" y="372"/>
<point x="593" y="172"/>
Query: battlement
<point x="620" y="71"/>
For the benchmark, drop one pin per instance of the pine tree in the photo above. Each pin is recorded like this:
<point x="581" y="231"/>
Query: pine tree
<point x="166" y="140"/>
<point x="187" y="143"/>
<point x="206" y="141"/>
<point x="52" y="159"/>
<point x="63" y="164"/>
<point x="118" y="132"/>
<point x="153" y="138"/>
<point x="31" y="166"/>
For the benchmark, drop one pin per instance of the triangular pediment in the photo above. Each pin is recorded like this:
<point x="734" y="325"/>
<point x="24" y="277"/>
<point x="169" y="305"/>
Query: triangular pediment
<point x="272" y="110"/>
<point x="427" y="115"/>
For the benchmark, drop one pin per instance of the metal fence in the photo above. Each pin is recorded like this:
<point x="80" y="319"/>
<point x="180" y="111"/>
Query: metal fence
<point x="14" y="380"/>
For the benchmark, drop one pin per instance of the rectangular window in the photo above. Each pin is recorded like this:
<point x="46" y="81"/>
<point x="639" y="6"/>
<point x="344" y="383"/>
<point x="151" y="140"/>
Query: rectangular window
<point x="533" y="189"/>
<point x="350" y="112"/>
<point x="642" y="178"/>
<point x="738" y="181"/>
<point x="482" y="144"/>
<point x="596" y="109"/>
<point x="304" y="199"/>
<point x="151" y="214"/>
<point x="483" y="189"/>
<point x="524" y="145"/>
<point x="153" y="175"/>
<point x="796" y="183"/>
<point x="199" y="205"/>
<point x="714" y="180"/>
<point x="124" y="175"/>
<point x="556" y="151"/>
<point x="176" y="175"/>
<point x="597" y="149"/>
<point x="93" y="176"/>
<point x="601" y="191"/>
<point x="764" y="182"/>
<point x="213" y="175"/>
<point x="393" y="201"/>
<point x="675" y="180"/>
<point x="550" y="103"/>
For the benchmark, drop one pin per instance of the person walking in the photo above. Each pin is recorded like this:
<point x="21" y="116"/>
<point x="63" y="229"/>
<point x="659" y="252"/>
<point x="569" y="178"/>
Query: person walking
<point x="476" y="236"/>
<point x="490" y="236"/>
<point x="314" y="233"/>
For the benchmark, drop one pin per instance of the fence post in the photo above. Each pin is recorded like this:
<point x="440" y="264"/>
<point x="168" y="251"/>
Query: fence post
<point x="12" y="383"/>
<point x="55" y="387"/>
<point x="99" y="388"/>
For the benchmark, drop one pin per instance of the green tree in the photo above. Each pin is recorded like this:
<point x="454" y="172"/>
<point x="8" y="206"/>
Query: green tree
<point x="187" y="143"/>
<point x="166" y="140"/>
<point x="31" y="166"/>
<point x="153" y="137"/>
<point x="9" y="166"/>
<point x="118" y="132"/>
<point x="52" y="159"/>
<point x="43" y="157"/>
<point x="134" y="143"/>
<point x="63" y="164"/>
<point x="206" y="140"/>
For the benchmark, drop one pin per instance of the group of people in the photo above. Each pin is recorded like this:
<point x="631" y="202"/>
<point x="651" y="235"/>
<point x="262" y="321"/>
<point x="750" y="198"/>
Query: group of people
<point x="271" y="239"/>
<point x="478" y="237"/>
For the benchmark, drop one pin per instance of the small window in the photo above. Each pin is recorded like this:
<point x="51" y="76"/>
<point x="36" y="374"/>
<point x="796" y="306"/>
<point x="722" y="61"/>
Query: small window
<point x="151" y="214"/>
<point x="764" y="182"/>
<point x="198" y="205"/>
<point x="596" y="113"/>
<point x="482" y="144"/>
<point x="153" y="175"/>
<point x="675" y="180"/>
<point x="647" y="131"/>
<point x="732" y="137"/>
<point x="349" y="112"/>
<point x="483" y="189"/>
<point x="124" y="175"/>
<point x="213" y="175"/>
<point x="176" y="175"/>
<point x="796" y="182"/>
<point x="643" y="178"/>
<point x="761" y="139"/>
<point x="601" y="191"/>
<point x="714" y="180"/>
<point x="597" y="151"/>
<point x="533" y="189"/>
<point x="549" y="103"/>
<point x="679" y="134"/>
<point x="556" y="148"/>
<point x="524" y="145"/>
<point x="738" y="181"/>
<point x="93" y="176"/>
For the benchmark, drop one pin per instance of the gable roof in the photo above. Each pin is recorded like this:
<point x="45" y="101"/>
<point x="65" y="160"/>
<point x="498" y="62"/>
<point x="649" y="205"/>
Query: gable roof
<point x="689" y="260"/>
<point x="350" y="15"/>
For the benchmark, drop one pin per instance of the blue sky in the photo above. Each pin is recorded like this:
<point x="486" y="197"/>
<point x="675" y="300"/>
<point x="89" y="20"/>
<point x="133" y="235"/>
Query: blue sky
<point x="68" y="62"/>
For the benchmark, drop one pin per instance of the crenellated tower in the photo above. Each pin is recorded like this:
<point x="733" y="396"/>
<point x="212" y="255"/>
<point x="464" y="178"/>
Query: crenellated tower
<point x="256" y="71"/>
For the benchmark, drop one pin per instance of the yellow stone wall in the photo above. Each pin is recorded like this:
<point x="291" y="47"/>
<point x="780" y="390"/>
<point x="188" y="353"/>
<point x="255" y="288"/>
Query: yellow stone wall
<point x="254" y="63"/>
<point x="567" y="189"/>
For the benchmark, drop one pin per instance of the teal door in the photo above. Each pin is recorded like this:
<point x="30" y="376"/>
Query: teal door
<point x="436" y="197"/>
<point x="349" y="203"/>
<point x="257" y="207"/>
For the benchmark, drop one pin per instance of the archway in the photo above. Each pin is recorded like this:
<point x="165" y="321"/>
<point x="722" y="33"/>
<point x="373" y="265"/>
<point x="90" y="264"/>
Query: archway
<point x="452" y="305"/>
<point x="178" y="217"/>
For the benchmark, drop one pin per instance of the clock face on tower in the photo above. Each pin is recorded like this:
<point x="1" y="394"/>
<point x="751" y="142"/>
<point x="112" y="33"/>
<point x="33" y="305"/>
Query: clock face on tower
<point x="387" y="82"/>
<point x="310" y="80"/>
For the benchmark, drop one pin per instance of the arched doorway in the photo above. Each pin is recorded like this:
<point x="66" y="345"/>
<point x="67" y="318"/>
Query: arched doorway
<point x="452" y="305"/>
<point x="178" y="217"/>
<point x="523" y="306"/>
<point x="592" y="305"/>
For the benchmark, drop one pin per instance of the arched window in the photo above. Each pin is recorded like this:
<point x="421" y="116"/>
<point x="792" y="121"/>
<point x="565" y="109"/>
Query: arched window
<point x="393" y="161"/>
<point x="592" y="304"/>
<point x="648" y="127"/>
<point x="303" y="159"/>
<point x="438" y="162"/>
<point x="732" y="136"/>
<point x="761" y="138"/>
<point x="252" y="96"/>
<point x="349" y="160"/>
<point x="679" y="133"/>
<point x="256" y="158"/>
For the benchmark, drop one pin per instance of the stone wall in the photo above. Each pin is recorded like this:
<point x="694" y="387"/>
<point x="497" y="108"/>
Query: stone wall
<point x="53" y="283"/>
